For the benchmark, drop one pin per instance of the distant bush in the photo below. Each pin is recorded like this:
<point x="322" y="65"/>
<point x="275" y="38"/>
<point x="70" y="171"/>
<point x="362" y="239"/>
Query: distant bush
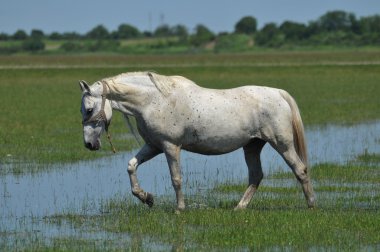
<point x="233" y="42"/>
<point x="90" y="46"/>
<point x="103" y="45"/>
<point x="202" y="36"/>
<point x="4" y="36"/>
<point x="370" y="38"/>
<point x="4" y="50"/>
<point x="33" y="45"/>
<point x="71" y="46"/>
<point x="270" y="36"/>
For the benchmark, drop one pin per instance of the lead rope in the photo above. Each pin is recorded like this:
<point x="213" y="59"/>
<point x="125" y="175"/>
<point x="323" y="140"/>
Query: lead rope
<point x="105" y="118"/>
<point x="109" y="140"/>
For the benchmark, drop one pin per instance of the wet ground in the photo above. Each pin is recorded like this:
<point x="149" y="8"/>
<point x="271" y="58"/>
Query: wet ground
<point x="82" y="187"/>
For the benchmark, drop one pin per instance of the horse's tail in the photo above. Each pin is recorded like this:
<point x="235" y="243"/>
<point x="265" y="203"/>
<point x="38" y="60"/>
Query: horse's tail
<point x="298" y="129"/>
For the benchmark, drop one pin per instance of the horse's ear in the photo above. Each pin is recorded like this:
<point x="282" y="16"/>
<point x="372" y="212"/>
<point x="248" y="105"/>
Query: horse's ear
<point x="84" y="86"/>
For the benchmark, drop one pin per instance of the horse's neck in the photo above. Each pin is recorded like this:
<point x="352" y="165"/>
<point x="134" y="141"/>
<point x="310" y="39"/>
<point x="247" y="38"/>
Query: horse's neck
<point x="136" y="79"/>
<point x="123" y="109"/>
<point x="129" y="94"/>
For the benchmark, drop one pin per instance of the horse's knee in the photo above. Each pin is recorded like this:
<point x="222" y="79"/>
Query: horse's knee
<point x="132" y="165"/>
<point x="177" y="182"/>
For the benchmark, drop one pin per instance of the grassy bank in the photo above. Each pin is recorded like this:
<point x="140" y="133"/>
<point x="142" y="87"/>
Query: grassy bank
<point x="40" y="122"/>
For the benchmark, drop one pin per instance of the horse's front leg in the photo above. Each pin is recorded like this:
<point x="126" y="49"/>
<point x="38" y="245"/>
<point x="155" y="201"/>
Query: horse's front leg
<point x="146" y="153"/>
<point x="172" y="153"/>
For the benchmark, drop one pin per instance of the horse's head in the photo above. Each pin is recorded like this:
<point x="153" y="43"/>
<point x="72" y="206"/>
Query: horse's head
<point x="96" y="113"/>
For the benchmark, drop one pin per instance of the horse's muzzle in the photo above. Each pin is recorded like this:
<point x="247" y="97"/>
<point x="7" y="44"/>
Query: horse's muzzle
<point x="93" y="146"/>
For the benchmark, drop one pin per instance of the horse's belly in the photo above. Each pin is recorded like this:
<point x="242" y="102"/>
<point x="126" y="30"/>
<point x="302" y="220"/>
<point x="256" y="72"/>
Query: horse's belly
<point x="216" y="145"/>
<point x="207" y="150"/>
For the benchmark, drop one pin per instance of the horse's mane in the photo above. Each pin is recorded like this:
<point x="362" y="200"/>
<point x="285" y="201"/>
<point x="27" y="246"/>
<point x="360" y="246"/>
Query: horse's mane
<point x="164" y="84"/>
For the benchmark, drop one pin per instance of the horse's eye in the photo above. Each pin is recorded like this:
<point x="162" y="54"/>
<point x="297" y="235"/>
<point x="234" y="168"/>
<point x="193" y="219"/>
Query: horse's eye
<point x="89" y="111"/>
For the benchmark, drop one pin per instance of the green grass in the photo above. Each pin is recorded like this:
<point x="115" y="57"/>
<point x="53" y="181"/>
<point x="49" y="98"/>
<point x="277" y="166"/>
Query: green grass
<point x="259" y="58"/>
<point x="350" y="173"/>
<point x="40" y="122"/>
<point x="346" y="218"/>
<point x="369" y="158"/>
<point x="255" y="229"/>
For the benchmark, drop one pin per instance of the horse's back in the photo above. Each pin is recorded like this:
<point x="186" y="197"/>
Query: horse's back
<point x="219" y="121"/>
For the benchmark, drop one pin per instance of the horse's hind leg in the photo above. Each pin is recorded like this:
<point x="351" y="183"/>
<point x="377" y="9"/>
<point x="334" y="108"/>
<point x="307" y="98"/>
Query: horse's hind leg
<point x="300" y="171"/>
<point x="172" y="153"/>
<point x="252" y="158"/>
<point x="146" y="153"/>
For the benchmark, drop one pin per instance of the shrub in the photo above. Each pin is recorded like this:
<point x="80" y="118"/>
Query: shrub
<point x="33" y="45"/>
<point x="103" y="45"/>
<point x="71" y="46"/>
<point x="233" y="42"/>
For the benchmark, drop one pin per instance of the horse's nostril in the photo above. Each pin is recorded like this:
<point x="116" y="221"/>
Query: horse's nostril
<point x="88" y="145"/>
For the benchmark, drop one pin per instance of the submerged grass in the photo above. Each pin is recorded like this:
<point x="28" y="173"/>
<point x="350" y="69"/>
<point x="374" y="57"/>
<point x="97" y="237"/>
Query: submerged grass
<point x="40" y="122"/>
<point x="351" y="173"/>
<point x="369" y="158"/>
<point x="255" y="229"/>
<point x="347" y="216"/>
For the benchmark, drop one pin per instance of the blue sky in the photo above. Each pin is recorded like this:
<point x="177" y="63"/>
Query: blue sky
<point x="218" y="15"/>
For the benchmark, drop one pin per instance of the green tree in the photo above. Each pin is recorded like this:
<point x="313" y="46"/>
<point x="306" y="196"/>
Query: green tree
<point x="293" y="31"/>
<point x="37" y="34"/>
<point x="246" y="25"/>
<point x="201" y="36"/>
<point x="99" y="32"/>
<point x="55" y="36"/>
<point x="33" y="45"/>
<point x="336" y="21"/>
<point x="355" y="24"/>
<point x="180" y="31"/>
<point x="269" y="35"/>
<point x="162" y="31"/>
<point x="71" y="36"/>
<point x="370" y="24"/>
<point x="20" y="35"/>
<point x="370" y="30"/>
<point x="147" y="34"/>
<point x="127" y="31"/>
<point x="4" y="36"/>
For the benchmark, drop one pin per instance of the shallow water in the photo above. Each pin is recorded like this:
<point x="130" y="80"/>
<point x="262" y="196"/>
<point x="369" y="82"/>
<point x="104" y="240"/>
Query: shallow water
<point x="83" y="186"/>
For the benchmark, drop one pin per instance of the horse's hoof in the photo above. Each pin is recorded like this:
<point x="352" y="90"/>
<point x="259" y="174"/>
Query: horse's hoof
<point x="177" y="212"/>
<point x="149" y="200"/>
<point x="239" y="208"/>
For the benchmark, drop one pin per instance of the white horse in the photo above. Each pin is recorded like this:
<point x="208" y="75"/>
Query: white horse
<point x="173" y="113"/>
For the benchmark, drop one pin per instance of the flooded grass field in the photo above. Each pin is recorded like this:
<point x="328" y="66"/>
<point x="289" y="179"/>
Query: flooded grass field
<point x="89" y="205"/>
<point x="56" y="196"/>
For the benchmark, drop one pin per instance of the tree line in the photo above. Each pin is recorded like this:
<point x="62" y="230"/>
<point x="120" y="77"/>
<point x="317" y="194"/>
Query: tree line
<point x="332" y="28"/>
